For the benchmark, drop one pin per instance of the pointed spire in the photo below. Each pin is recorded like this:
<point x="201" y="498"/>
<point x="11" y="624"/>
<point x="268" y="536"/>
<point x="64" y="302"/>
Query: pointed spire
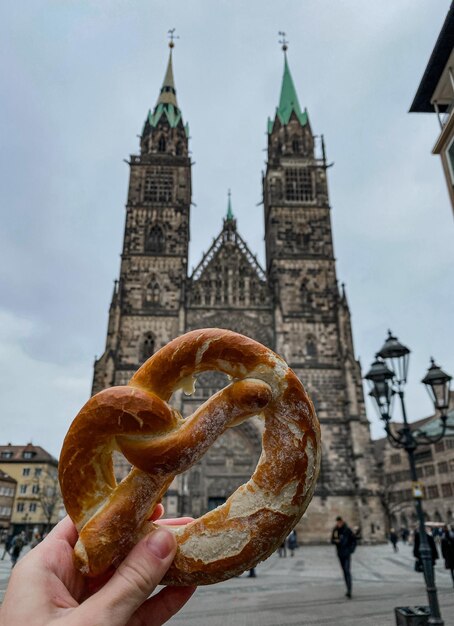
<point x="288" y="101"/>
<point x="229" y="217"/>
<point x="167" y="101"/>
<point x="168" y="94"/>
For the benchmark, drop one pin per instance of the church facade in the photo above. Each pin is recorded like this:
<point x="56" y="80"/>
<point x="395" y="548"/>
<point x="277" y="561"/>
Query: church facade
<point x="293" y="305"/>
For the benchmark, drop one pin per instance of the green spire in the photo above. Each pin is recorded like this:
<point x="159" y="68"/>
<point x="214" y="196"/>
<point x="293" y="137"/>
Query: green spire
<point x="167" y="101"/>
<point x="229" y="217"/>
<point x="288" y="102"/>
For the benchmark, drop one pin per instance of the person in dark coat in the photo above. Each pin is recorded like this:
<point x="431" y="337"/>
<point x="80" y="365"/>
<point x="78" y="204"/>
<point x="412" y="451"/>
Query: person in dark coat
<point x="432" y="546"/>
<point x="447" y="549"/>
<point x="292" y="542"/>
<point x="393" y="539"/>
<point x="345" y="541"/>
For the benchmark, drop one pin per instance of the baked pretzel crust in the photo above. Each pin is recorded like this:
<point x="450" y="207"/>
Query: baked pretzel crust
<point x="137" y="421"/>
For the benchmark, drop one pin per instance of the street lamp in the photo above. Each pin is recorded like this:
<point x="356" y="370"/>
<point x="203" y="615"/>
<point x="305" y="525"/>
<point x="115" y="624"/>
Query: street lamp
<point x="386" y="378"/>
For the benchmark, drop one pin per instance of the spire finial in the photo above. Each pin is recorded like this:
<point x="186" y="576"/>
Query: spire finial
<point x="283" y="40"/>
<point x="171" y="35"/>
<point x="229" y="206"/>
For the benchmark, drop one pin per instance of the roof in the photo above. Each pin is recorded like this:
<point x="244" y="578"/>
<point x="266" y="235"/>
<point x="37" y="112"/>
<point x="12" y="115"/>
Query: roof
<point x="430" y="426"/>
<point x="437" y="63"/>
<point x="25" y="454"/>
<point x="167" y="104"/>
<point x="6" y="478"/>
<point x="229" y="234"/>
<point x="288" y="102"/>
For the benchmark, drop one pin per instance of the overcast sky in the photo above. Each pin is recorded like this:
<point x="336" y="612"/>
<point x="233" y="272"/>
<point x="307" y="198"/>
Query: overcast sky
<point x="77" y="81"/>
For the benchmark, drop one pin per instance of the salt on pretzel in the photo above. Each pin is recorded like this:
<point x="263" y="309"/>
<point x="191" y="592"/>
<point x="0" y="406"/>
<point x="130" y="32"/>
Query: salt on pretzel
<point x="137" y="421"/>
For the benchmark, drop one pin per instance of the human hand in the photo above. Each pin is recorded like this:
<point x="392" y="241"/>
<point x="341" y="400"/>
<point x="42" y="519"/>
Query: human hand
<point x="45" y="589"/>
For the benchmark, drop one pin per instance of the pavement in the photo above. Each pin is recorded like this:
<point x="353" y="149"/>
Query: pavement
<point x="308" y="589"/>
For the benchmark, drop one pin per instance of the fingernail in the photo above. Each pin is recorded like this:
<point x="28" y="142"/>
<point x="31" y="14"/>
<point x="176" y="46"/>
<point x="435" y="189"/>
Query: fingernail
<point x="160" y="543"/>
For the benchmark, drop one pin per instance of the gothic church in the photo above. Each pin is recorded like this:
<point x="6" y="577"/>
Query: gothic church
<point x="293" y="305"/>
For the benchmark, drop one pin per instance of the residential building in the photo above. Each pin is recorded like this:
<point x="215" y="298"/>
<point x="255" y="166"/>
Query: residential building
<point x="7" y="494"/>
<point x="37" y="504"/>
<point x="435" y="467"/>
<point x="436" y="95"/>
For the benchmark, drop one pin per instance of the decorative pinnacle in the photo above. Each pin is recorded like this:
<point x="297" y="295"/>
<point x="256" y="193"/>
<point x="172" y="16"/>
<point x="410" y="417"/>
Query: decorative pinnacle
<point x="283" y="40"/>
<point x="229" y="206"/>
<point x="172" y="37"/>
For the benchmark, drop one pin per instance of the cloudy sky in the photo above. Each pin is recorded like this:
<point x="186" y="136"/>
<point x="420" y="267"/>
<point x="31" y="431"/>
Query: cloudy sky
<point x="77" y="81"/>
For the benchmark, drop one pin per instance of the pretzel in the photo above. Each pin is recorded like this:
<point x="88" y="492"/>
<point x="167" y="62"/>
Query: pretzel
<point x="137" y="421"/>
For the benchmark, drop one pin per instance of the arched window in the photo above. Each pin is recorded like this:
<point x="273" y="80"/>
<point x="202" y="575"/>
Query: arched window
<point x="152" y="295"/>
<point x="179" y="149"/>
<point x="148" y="343"/>
<point x="296" y="146"/>
<point x="155" y="240"/>
<point x="162" y="144"/>
<point x="311" y="346"/>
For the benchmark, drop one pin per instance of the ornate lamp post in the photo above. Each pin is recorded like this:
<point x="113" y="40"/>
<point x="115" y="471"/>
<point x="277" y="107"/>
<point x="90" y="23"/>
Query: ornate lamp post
<point x="387" y="377"/>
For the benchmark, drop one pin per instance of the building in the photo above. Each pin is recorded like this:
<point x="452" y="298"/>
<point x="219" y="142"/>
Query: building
<point x="436" y="95"/>
<point x="37" y="504"/>
<point x="7" y="494"/>
<point x="293" y="305"/>
<point x="435" y="467"/>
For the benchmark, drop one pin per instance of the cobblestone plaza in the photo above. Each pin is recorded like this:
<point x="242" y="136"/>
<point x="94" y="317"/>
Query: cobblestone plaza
<point x="308" y="590"/>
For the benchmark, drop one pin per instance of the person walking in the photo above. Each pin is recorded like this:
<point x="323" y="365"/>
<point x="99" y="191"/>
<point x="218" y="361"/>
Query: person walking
<point x="345" y="541"/>
<point x="433" y="550"/>
<point x="282" y="551"/>
<point x="292" y="542"/>
<point x="17" y="544"/>
<point x="7" y="546"/>
<point x="447" y="549"/>
<point x="393" y="539"/>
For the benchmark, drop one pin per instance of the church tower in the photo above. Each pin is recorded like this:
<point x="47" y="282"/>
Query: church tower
<point x="147" y="304"/>
<point x="312" y="319"/>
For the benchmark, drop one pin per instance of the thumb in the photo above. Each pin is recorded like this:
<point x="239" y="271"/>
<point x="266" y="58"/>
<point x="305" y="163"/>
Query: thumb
<point x="135" y="579"/>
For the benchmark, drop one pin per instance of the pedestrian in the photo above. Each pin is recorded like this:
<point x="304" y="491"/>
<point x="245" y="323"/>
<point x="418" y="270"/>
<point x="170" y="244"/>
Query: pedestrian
<point x="7" y="545"/>
<point x="416" y="553"/>
<point x="447" y="549"/>
<point x="252" y="573"/>
<point x="17" y="544"/>
<point x="393" y="539"/>
<point x="292" y="542"/>
<point x="282" y="551"/>
<point x="345" y="541"/>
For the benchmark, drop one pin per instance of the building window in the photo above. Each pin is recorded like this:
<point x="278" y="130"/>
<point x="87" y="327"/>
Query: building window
<point x="440" y="446"/>
<point x="28" y="454"/>
<point x="450" y="159"/>
<point x="5" y="511"/>
<point x="35" y="489"/>
<point x="158" y="186"/>
<point x="147" y="346"/>
<point x="32" y="507"/>
<point x="296" y="146"/>
<point x="179" y="149"/>
<point x="450" y="443"/>
<point x="423" y="455"/>
<point x="395" y="459"/>
<point x="311" y="346"/>
<point x="20" y="507"/>
<point x="6" y="454"/>
<point x="298" y="185"/>
<point x="26" y="471"/>
<point x="155" y="241"/>
<point x="38" y="471"/>
<point x="23" y="489"/>
<point x="429" y="470"/>
<point x="442" y="467"/>
<point x="432" y="491"/>
<point x="152" y="296"/>
<point x="446" y="490"/>
<point x="162" y="144"/>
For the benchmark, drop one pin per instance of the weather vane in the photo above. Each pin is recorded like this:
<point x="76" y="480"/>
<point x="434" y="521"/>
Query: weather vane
<point x="171" y="36"/>
<point x="283" y="40"/>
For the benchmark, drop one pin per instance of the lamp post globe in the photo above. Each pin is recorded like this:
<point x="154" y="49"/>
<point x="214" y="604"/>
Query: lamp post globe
<point x="396" y="356"/>
<point x="379" y="377"/>
<point x="438" y="383"/>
